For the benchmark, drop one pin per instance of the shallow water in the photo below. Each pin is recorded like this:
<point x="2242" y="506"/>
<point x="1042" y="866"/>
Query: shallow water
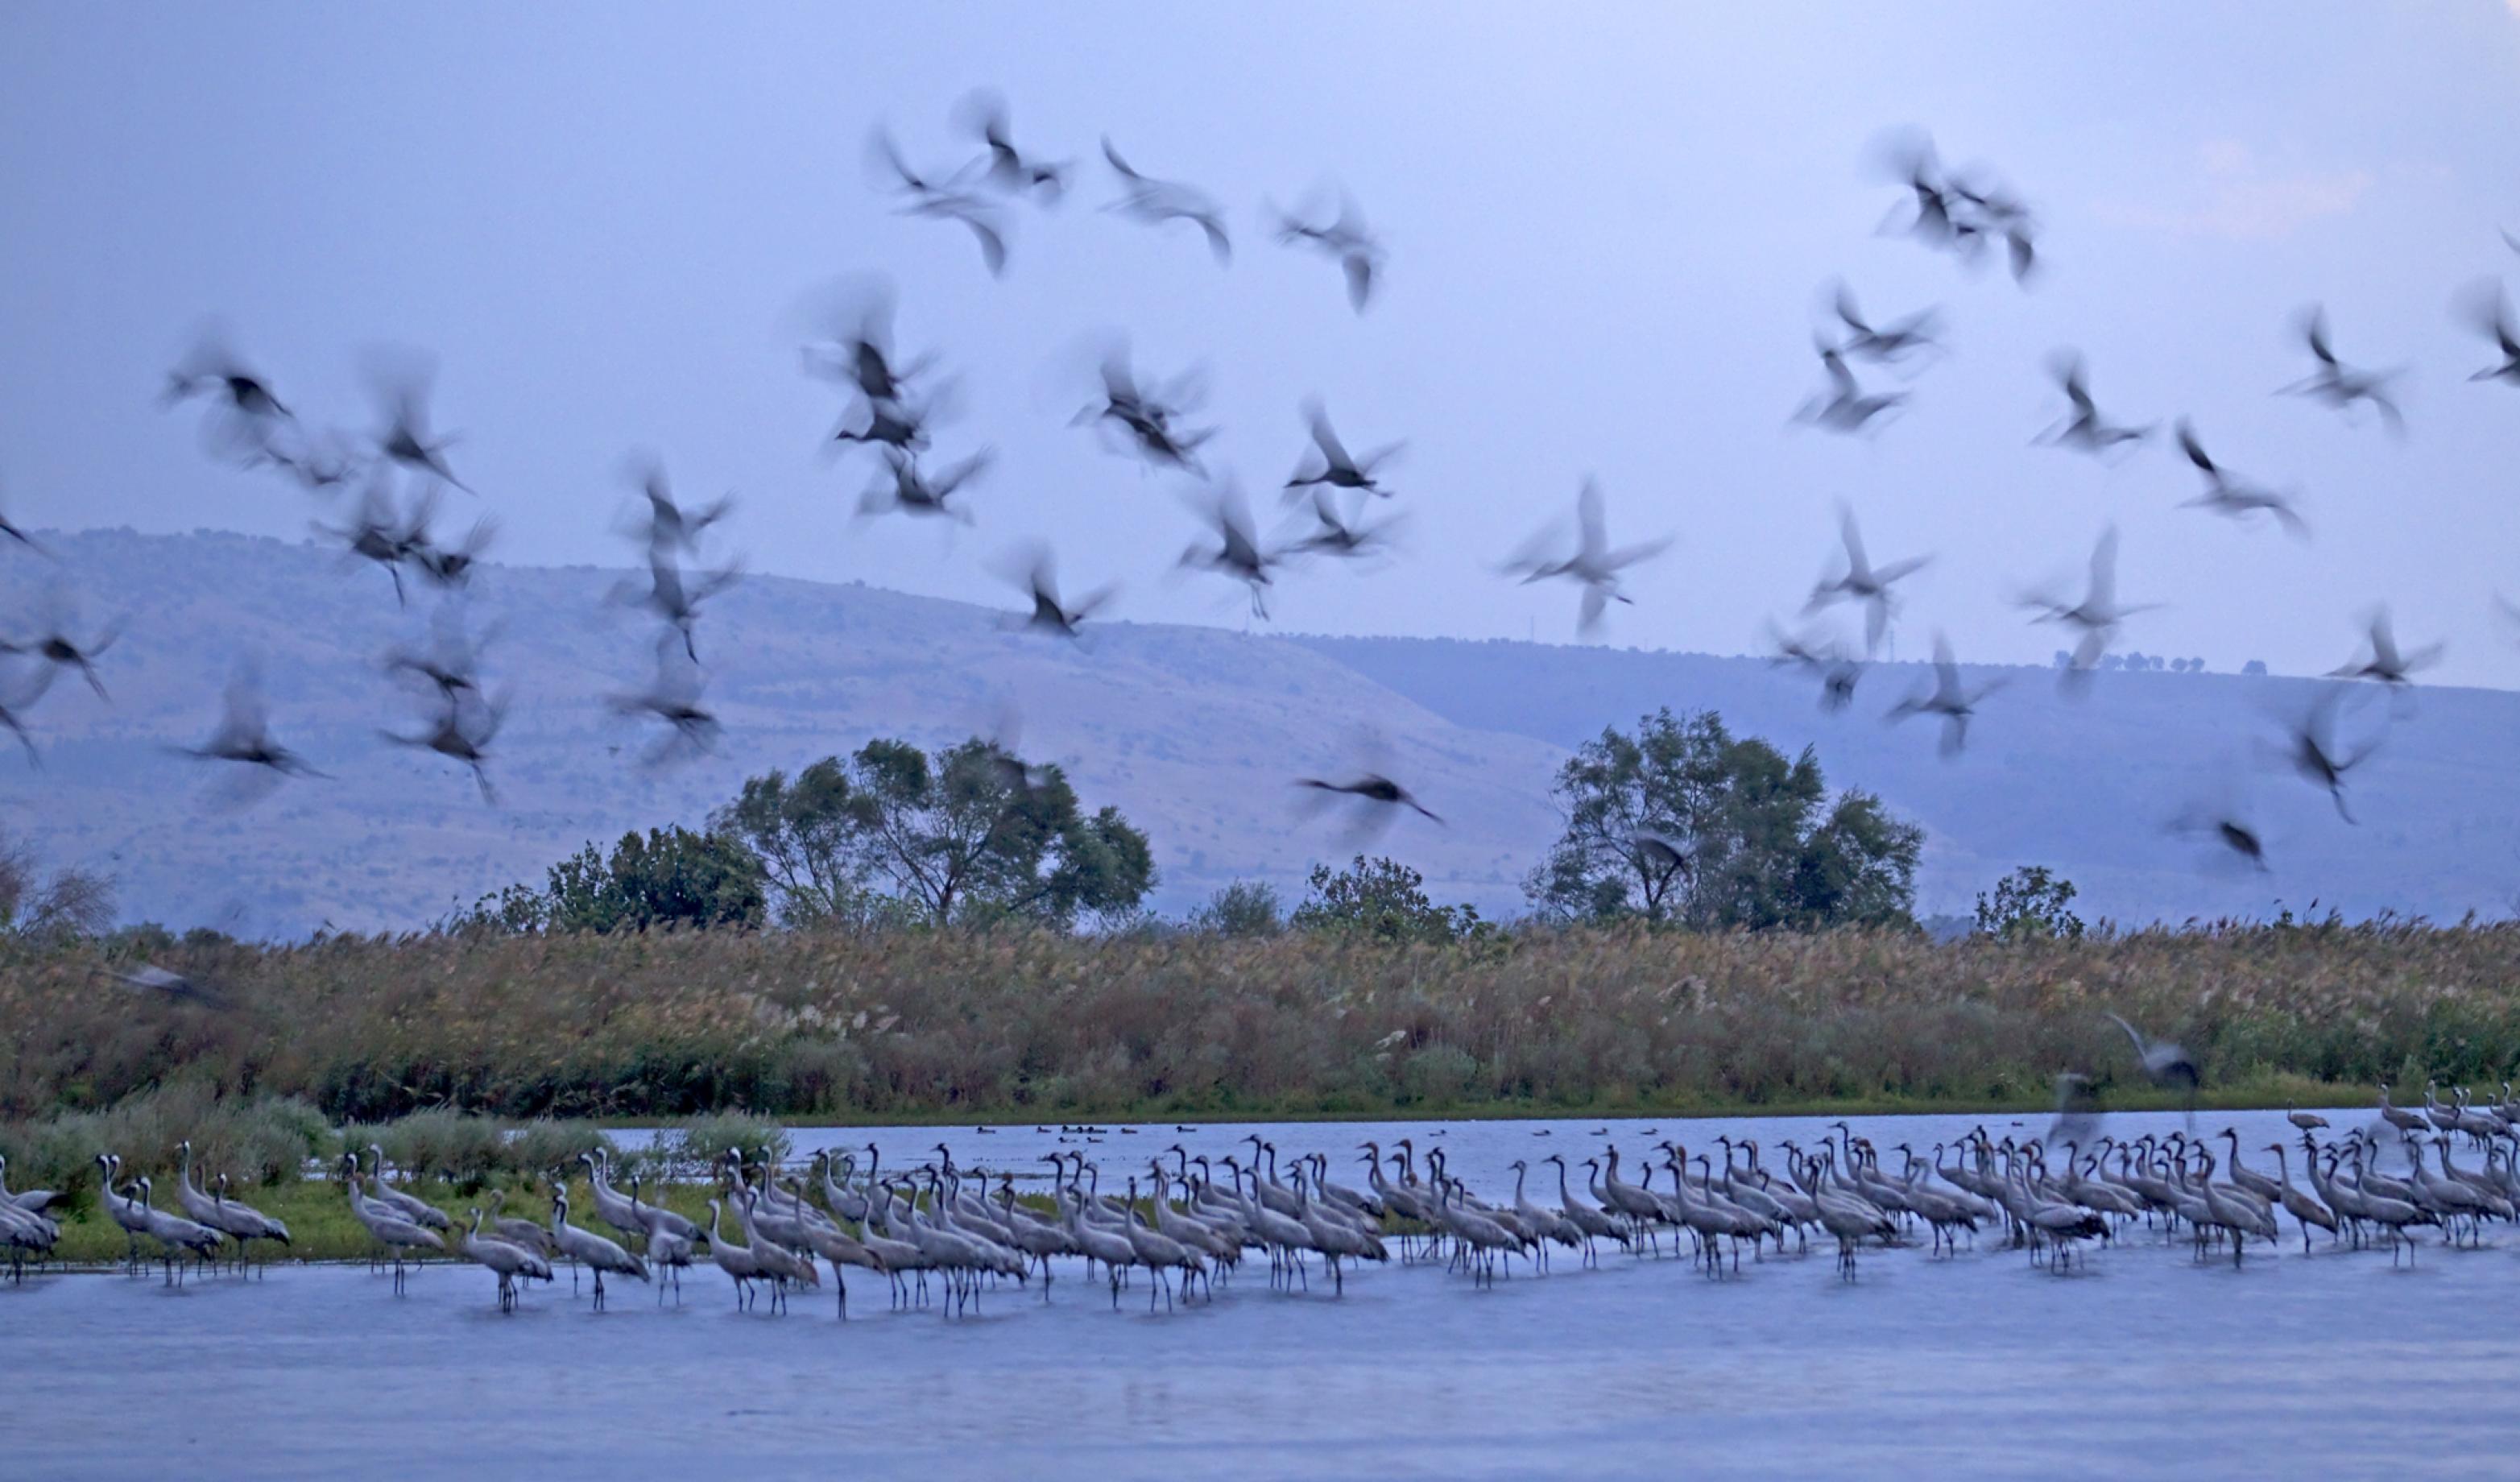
<point x="2333" y="1365"/>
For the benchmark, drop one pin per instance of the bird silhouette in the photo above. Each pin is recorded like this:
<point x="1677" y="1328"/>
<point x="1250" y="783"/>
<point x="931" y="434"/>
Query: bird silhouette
<point x="982" y="112"/>
<point x="1157" y="201"/>
<point x="675" y="600"/>
<point x="941" y="199"/>
<point x="2315" y="755"/>
<point x="464" y="725"/>
<point x="19" y="688"/>
<point x="2337" y="385"/>
<point x="2229" y="496"/>
<point x="1340" y="533"/>
<point x="1845" y="407"/>
<point x="2382" y="660"/>
<point x="1373" y="798"/>
<point x="1330" y="463"/>
<point x="669" y="530"/>
<point x="1863" y="583"/>
<point x="1593" y="565"/>
<point x="1822" y="657"/>
<point x="908" y="489"/>
<point x="54" y="644"/>
<point x="2164" y="1062"/>
<point x="402" y="382"/>
<point x="1149" y="417"/>
<point x="2486" y="308"/>
<point x="174" y="987"/>
<point x="1237" y="552"/>
<point x="243" y="739"/>
<point x="1033" y="569"/>
<point x="1948" y="697"/>
<point x="1346" y="240"/>
<point x="673" y="698"/>
<point x="1889" y="343"/>
<point x="2085" y="429"/>
<point x="2096" y="615"/>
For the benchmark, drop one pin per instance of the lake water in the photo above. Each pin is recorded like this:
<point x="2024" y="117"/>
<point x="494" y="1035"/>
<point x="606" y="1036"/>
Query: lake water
<point x="2146" y="1362"/>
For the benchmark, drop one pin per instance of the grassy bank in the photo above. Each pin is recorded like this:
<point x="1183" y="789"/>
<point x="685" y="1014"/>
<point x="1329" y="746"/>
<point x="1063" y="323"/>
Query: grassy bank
<point x="1025" y="1027"/>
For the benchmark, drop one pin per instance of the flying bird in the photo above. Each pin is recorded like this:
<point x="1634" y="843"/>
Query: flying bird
<point x="401" y="383"/>
<point x="1863" y="583"/>
<point x="243" y="738"/>
<point x="379" y="532"/>
<point x="210" y="369"/>
<point x="1149" y="417"/>
<point x="1595" y="565"/>
<point x="9" y="531"/>
<point x="174" y="987"/>
<point x="2085" y="430"/>
<point x="674" y="600"/>
<point x="1373" y="798"/>
<point x="1888" y="342"/>
<point x="2164" y="1062"/>
<point x="2313" y="754"/>
<point x="1346" y="240"/>
<point x="2382" y="660"/>
<point x="942" y="199"/>
<point x="2487" y="309"/>
<point x="1237" y="552"/>
<point x="669" y="527"/>
<point x="19" y="692"/>
<point x="1156" y="202"/>
<point x="1823" y="658"/>
<point x="1948" y="699"/>
<point x="905" y="487"/>
<point x="673" y="698"/>
<point x="1340" y="533"/>
<point x="1033" y="569"/>
<point x="982" y="112"/>
<point x="2231" y="497"/>
<point x="1845" y="407"/>
<point x="1329" y="462"/>
<point x="53" y="645"/>
<point x="462" y="732"/>
<point x="2096" y="615"/>
<point x="450" y="665"/>
<point x="2338" y="384"/>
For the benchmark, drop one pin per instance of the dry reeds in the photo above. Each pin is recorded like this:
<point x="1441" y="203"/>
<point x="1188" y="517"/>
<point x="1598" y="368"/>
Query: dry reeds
<point x="1039" y="1025"/>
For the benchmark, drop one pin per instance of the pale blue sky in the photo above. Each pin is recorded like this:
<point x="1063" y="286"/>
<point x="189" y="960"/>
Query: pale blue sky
<point x="1608" y="227"/>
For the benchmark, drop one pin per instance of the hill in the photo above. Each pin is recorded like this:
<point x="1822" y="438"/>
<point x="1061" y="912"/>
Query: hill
<point x="1194" y="733"/>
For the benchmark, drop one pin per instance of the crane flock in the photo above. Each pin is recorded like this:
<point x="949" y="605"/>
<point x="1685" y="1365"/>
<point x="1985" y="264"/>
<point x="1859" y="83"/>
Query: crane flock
<point x="1182" y="1222"/>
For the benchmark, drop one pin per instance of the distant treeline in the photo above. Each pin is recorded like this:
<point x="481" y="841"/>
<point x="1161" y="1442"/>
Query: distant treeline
<point x="1029" y="1022"/>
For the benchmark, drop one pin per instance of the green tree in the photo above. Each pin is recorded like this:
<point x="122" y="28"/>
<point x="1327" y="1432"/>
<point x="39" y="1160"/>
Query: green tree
<point x="2029" y="902"/>
<point x="969" y="833"/>
<point x="1244" y="908"/>
<point x="1684" y="822"/>
<point x="58" y="906"/>
<point x="1382" y="899"/>
<point x="672" y="877"/>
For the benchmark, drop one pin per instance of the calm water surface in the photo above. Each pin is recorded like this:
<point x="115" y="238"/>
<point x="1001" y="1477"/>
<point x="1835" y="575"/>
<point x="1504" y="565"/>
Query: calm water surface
<point x="2333" y="1365"/>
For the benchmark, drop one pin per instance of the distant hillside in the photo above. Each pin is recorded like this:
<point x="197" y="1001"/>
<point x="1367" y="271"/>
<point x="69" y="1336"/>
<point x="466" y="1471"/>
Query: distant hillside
<point x="2085" y="784"/>
<point x="1194" y="733"/>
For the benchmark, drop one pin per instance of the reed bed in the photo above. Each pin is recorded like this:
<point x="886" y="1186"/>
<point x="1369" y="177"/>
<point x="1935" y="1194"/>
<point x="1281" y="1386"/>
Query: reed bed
<point x="969" y="1026"/>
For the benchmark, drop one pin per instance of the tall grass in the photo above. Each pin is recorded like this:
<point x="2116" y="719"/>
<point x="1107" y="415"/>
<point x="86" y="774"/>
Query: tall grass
<point x="957" y="1026"/>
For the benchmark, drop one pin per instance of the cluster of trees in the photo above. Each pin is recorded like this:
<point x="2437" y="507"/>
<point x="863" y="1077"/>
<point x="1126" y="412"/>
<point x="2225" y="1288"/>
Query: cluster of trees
<point x="888" y="836"/>
<point x="1679" y="823"/>
<point x="1686" y="822"/>
<point x="43" y="907"/>
<point x="2134" y="661"/>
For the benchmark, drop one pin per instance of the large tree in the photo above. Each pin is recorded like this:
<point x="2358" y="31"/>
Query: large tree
<point x="966" y="833"/>
<point x="1684" y="822"/>
<point x="670" y="877"/>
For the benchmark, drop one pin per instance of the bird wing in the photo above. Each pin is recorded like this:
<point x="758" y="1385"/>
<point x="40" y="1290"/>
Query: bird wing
<point x="2195" y="450"/>
<point x="1592" y="538"/>
<point x="1117" y="163"/>
<point x="1317" y="417"/>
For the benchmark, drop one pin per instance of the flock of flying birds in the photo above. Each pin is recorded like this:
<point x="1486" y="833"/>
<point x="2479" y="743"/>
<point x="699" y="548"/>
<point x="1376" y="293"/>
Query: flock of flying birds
<point x="896" y="402"/>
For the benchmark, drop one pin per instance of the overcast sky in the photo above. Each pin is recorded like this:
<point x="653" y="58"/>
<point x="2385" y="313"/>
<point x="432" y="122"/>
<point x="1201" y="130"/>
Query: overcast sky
<point x="1608" y="229"/>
